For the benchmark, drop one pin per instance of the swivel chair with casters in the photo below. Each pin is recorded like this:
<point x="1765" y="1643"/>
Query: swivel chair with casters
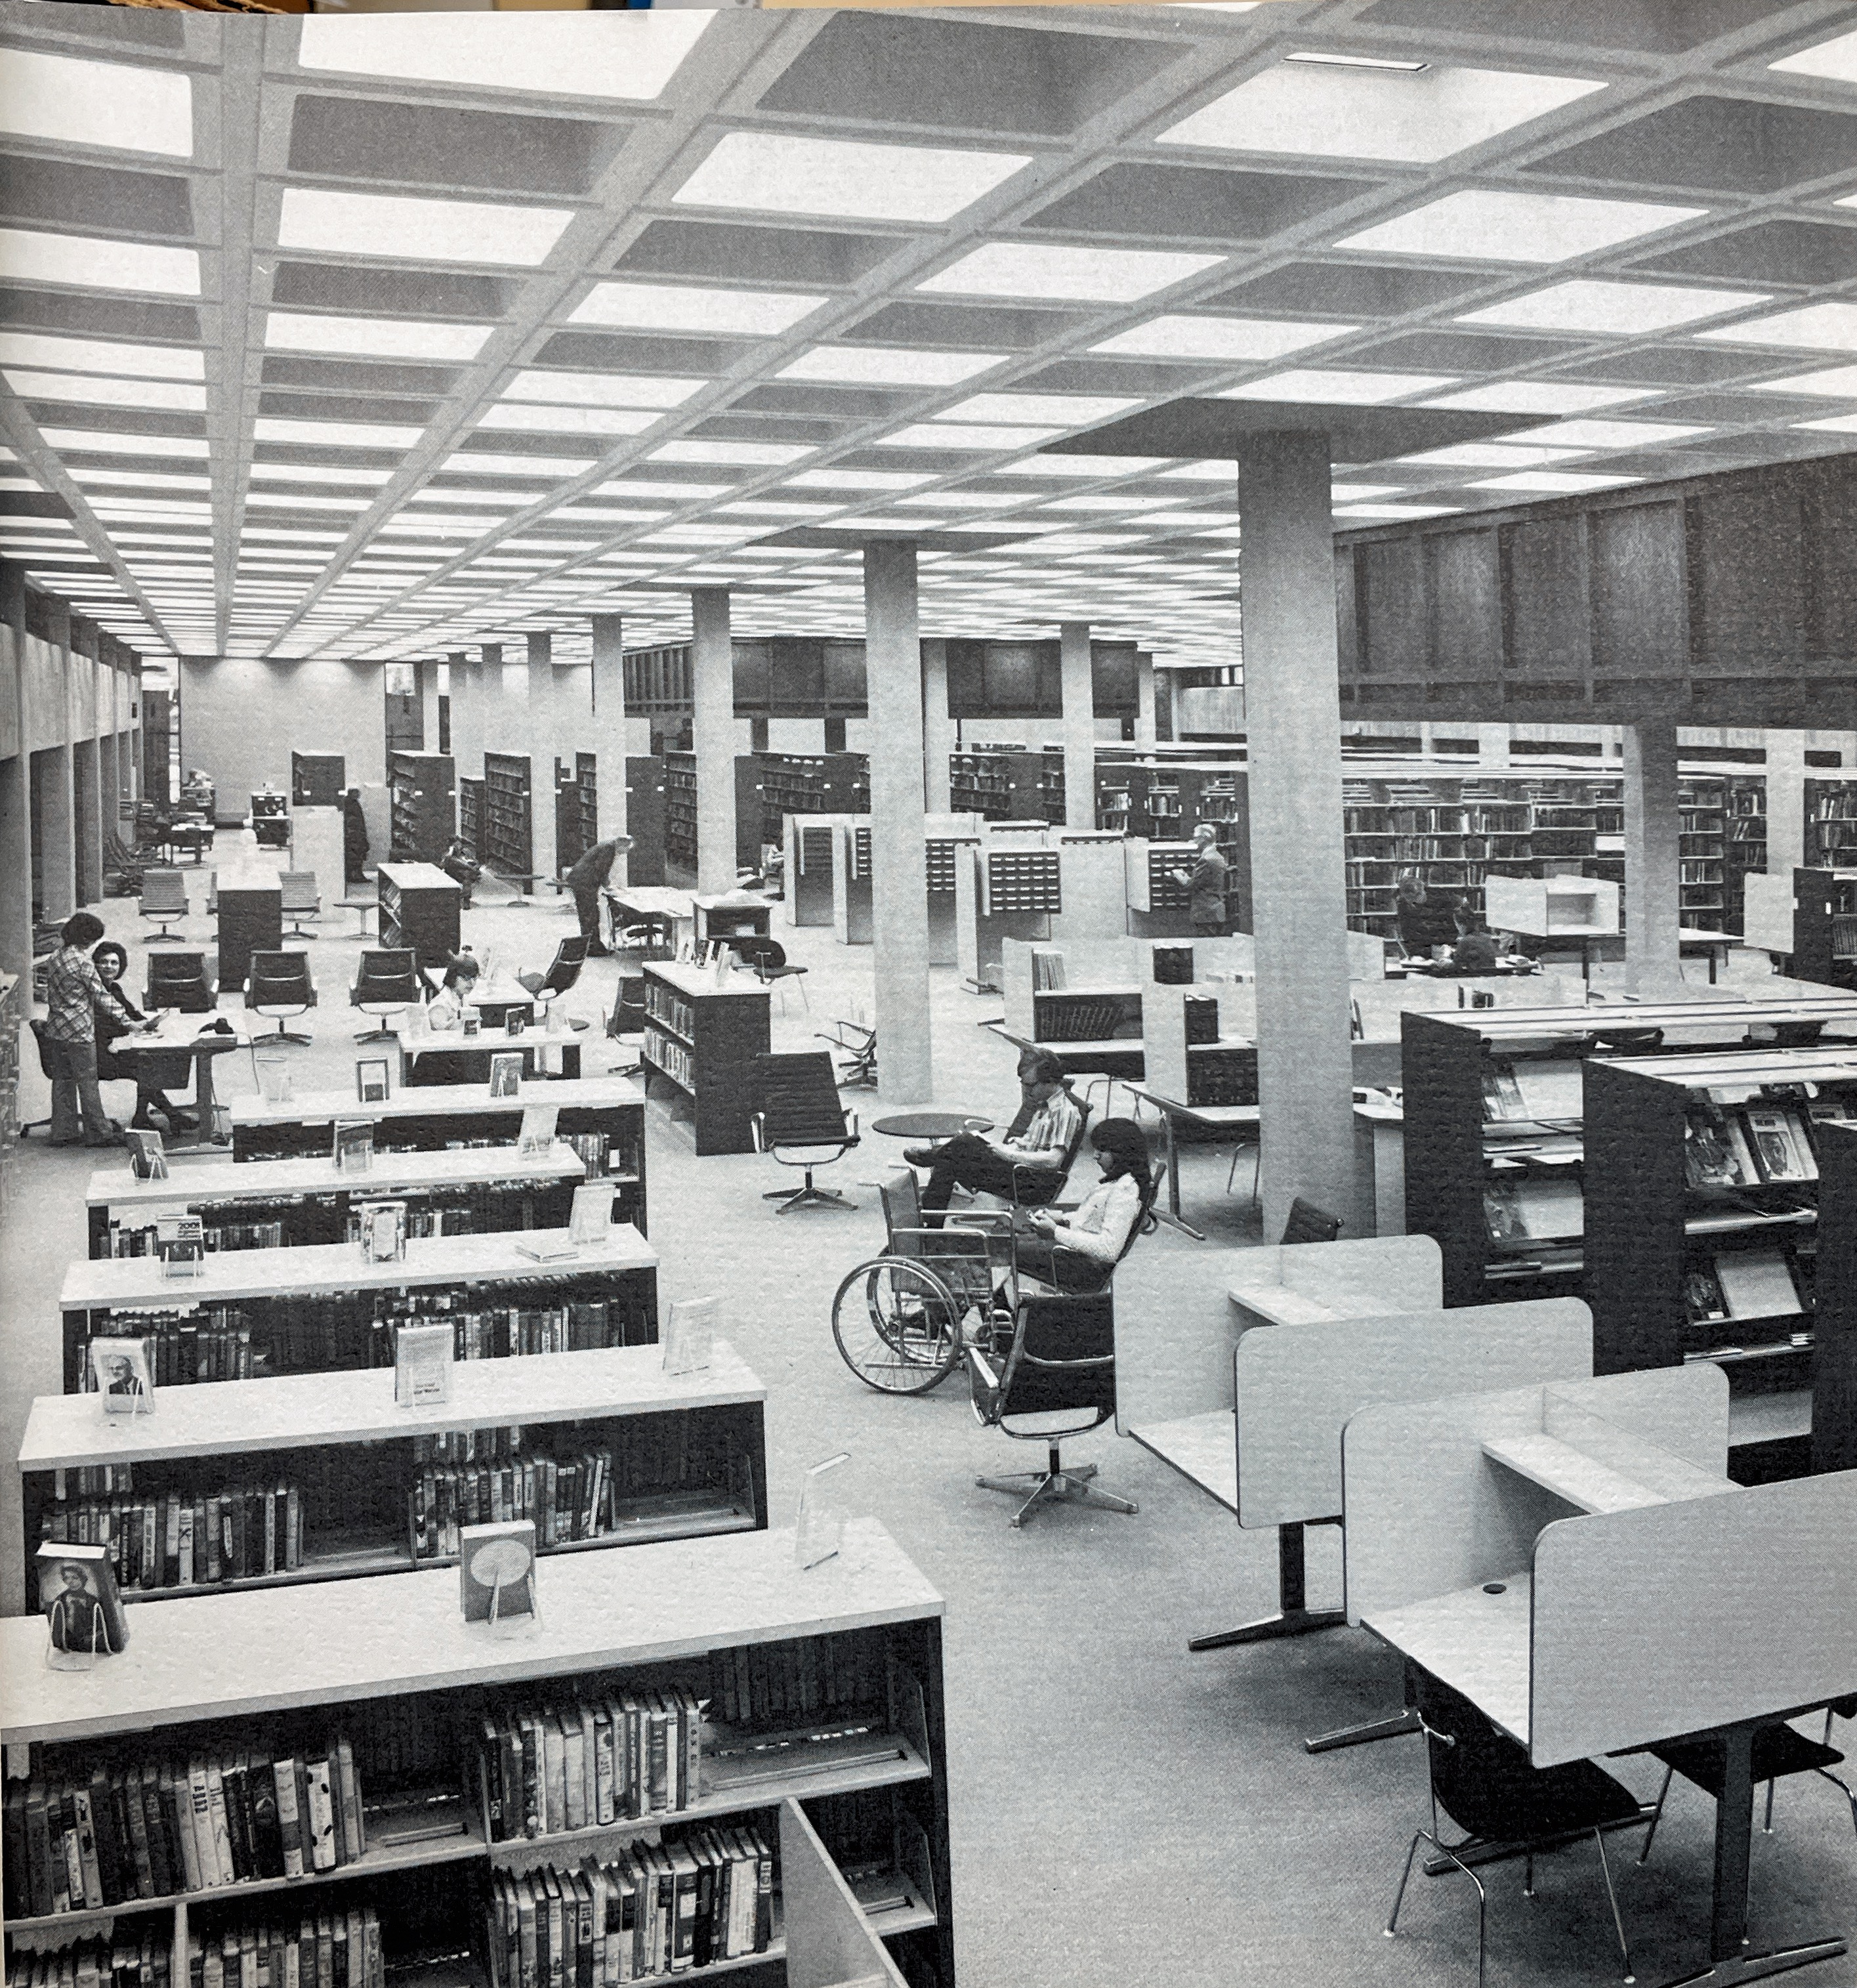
<point x="280" y="986"/>
<point x="767" y="958"/>
<point x="164" y="900"/>
<point x="387" y="983"/>
<point x="301" y="901"/>
<point x="180" y="981"/>
<point x="797" y="1118"/>
<point x="563" y="970"/>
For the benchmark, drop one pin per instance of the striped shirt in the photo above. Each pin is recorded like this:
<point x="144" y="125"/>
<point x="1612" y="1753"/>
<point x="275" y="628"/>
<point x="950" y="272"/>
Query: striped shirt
<point x="1052" y="1126"/>
<point x="74" y="992"/>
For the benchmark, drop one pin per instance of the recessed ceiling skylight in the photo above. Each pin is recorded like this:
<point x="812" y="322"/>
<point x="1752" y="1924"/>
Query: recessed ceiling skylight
<point x="1067" y="410"/>
<point x="555" y="55"/>
<point x="1329" y="110"/>
<point x="602" y="390"/>
<point x="1585" y="304"/>
<point x="89" y="442"/>
<point x="1080" y="466"/>
<point x="1180" y="337"/>
<point x="1840" y="381"/>
<point x="1553" y="482"/>
<point x="86" y="355"/>
<point x="382" y="337"/>
<point x="1488" y="455"/>
<point x="856" y="479"/>
<point x="1503" y="226"/>
<point x="1830" y="327"/>
<point x="334" y="434"/>
<point x="877" y="366"/>
<point x="685" y="307"/>
<point x="770" y="172"/>
<point x="1610" y="435"/>
<point x="746" y="454"/>
<point x="30" y="257"/>
<point x="953" y="434"/>
<point x="1538" y="396"/>
<point x="1042" y="269"/>
<point x="1836" y="58"/>
<point x="1364" y="389"/>
<point x="433" y="231"/>
<point x="96" y="103"/>
<point x="93" y="388"/>
<point x="550" y="417"/>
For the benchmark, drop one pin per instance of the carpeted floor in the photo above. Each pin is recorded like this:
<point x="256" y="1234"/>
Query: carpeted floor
<point x="1123" y="1812"/>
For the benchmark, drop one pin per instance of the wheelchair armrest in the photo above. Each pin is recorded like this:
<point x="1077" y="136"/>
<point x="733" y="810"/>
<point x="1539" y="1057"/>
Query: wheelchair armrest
<point x="987" y="1389"/>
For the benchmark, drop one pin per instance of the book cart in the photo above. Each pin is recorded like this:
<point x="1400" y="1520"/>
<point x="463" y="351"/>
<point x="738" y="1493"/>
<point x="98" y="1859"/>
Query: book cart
<point x="324" y="1477"/>
<point x="323" y="1307"/>
<point x="601" y="1118"/>
<point x="783" y="1807"/>
<point x="703" y="1036"/>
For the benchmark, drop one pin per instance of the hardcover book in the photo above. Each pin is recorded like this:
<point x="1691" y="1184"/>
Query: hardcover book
<point x="496" y="1571"/>
<point x="78" y="1592"/>
<point x="1715" y="1151"/>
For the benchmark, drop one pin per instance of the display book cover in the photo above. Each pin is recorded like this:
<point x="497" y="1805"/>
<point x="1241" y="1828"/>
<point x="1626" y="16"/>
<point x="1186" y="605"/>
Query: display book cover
<point x="78" y="1592"/>
<point x="422" y="1364"/>
<point x="1526" y="1092"/>
<point x="496" y="1570"/>
<point x="1763" y="1143"/>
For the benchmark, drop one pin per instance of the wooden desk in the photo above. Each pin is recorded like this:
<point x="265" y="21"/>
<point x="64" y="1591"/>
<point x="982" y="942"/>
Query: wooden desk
<point x="1716" y="945"/>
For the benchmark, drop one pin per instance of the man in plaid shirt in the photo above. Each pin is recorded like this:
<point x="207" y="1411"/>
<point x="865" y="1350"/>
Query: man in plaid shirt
<point x="1026" y="1167"/>
<point x="74" y="992"/>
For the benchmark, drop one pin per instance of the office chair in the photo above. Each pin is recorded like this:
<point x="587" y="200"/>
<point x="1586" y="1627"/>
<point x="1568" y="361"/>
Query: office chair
<point x="280" y="985"/>
<point x="164" y="900"/>
<point x="563" y="970"/>
<point x="1483" y="1781"/>
<point x="859" y="1044"/>
<point x="1307" y="1223"/>
<point x="768" y="957"/>
<point x="1038" y="1187"/>
<point x="300" y="901"/>
<point x="797" y="1118"/>
<point x="180" y="981"/>
<point x="387" y="983"/>
<point x="1778" y="1751"/>
<point x="38" y="1027"/>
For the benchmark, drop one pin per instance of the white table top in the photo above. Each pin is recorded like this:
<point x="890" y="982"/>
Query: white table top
<point x="652" y="899"/>
<point x="1204" y="1114"/>
<point x="264" y="1180"/>
<point x="699" y="981"/>
<point x="303" y="1411"/>
<point x="1202" y="1448"/>
<point x="320" y="1107"/>
<point x="1475" y="1642"/>
<point x="416" y="877"/>
<point x="499" y="990"/>
<point x="339" y="1266"/>
<point x="255" y="1652"/>
<point x="182" y="1032"/>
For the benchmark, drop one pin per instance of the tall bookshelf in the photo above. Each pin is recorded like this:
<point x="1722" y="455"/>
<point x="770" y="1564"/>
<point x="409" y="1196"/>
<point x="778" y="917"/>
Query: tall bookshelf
<point x="1824" y="926"/>
<point x="576" y="807"/>
<point x="507" y="841"/>
<point x="317" y="778"/>
<point x="1162" y="803"/>
<point x="425" y="816"/>
<point x="1743" y="842"/>
<point x="680" y="810"/>
<point x="1831" y="823"/>
<point x="470" y="814"/>
<point x="978" y="784"/>
<point x="823" y="1729"/>
<point x="420" y="907"/>
<point x="1701" y="852"/>
<point x="703" y="1038"/>
<point x="797" y="783"/>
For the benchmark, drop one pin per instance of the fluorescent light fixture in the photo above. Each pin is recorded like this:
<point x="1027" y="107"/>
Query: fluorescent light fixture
<point x="1488" y="455"/>
<point x="334" y="434"/>
<point x="1081" y="466"/>
<point x="645" y="486"/>
<point x="308" y="472"/>
<point x="297" y="500"/>
<point x="1043" y="269"/>
<point x="1328" y="59"/>
<point x="72" y="441"/>
<point x="372" y="337"/>
<point x="421" y="231"/>
<point x="970" y="500"/>
<point x="602" y="390"/>
<point x="686" y="307"/>
<point x="738" y="455"/>
<point x="1340" y="389"/>
<point x="113" y="105"/>
<point x="1067" y="410"/>
<point x="600" y="514"/>
<point x="856" y="479"/>
<point x="1830" y="327"/>
<point x="1585" y="304"/>
<point x="875" y="366"/>
<point x="953" y="434"/>
<point x="1840" y="381"/>
<point x="1538" y="396"/>
<point x="30" y="257"/>
<point x="1611" y="434"/>
<point x="551" y="418"/>
<point x="1106" y="500"/>
<point x="1836" y="58"/>
<point x="93" y="389"/>
<point x="87" y="355"/>
<point x="1229" y="338"/>
<point x="1203" y="473"/>
<point x="770" y="172"/>
<point x="1504" y="226"/>
<point x="481" y="463"/>
<point x="1334" y="107"/>
<point x="555" y="55"/>
<point x="1361" y="493"/>
<point x="1552" y="482"/>
<point x="773" y="507"/>
<point x="139" y="479"/>
<point x="1832" y="425"/>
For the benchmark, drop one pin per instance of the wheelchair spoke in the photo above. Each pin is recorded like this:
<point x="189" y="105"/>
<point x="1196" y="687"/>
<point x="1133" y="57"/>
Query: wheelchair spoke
<point x="897" y="1326"/>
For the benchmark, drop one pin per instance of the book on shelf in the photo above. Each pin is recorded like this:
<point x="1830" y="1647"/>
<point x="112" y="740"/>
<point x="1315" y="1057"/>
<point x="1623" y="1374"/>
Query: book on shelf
<point x="79" y="1600"/>
<point x="353" y="1145"/>
<point x="1530" y="1210"/>
<point x="496" y="1570"/>
<point x="422" y="1365"/>
<point x="147" y="1157"/>
<point x="1757" y="1283"/>
<point x="1526" y="1091"/>
<point x="1777" y="1138"/>
<point x="1702" y="1294"/>
<point x="342" y="1945"/>
<point x="138" y="1958"/>
<point x="536" y="1137"/>
<point x="182" y="1539"/>
<point x="383" y="1230"/>
<point x="1715" y="1152"/>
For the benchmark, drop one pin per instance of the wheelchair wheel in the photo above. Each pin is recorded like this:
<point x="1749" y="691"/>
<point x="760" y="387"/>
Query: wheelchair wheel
<point x="897" y="1326"/>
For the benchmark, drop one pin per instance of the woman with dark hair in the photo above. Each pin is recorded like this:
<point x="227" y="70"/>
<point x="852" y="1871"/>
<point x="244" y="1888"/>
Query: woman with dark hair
<point x="112" y="963"/>
<point x="1077" y="1252"/>
<point x="446" y="1008"/>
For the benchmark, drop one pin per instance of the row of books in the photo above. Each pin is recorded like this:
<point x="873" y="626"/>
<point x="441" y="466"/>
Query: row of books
<point x="1750" y="1283"/>
<point x="1223" y="1077"/>
<point x="421" y="1219"/>
<point x="665" y="1004"/>
<point x="1755" y="1144"/>
<point x="139" y="1239"/>
<point x="177" y="1540"/>
<point x="657" y="1909"/>
<point x="1091" y="1020"/>
<point x="338" y="1949"/>
<point x="586" y="1762"/>
<point x="671" y="1057"/>
<point x="83" y="1840"/>
<point x="504" y="1332"/>
<point x="1525" y="1091"/>
<point x="129" y="1960"/>
<point x="1445" y="820"/>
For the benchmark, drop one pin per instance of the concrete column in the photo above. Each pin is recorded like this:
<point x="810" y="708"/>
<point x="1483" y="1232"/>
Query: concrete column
<point x="542" y="748"/>
<point x="898" y="884"/>
<point x="1493" y="745"/>
<point x="87" y="822"/>
<point x="1305" y="1071"/>
<point x="712" y="683"/>
<point x="1652" y="962"/>
<point x="1144" y="698"/>
<point x="937" y="727"/>
<point x="110" y="783"/>
<point x="15" y="864"/>
<point x="426" y="677"/>
<point x="1079" y="725"/>
<point x="1786" y="771"/>
<point x="52" y="803"/>
<point x="1428" y="740"/>
<point x="494" y="730"/>
<point x="607" y="731"/>
<point x="467" y="749"/>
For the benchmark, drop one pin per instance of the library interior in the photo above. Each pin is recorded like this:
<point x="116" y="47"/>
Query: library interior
<point x="1002" y="853"/>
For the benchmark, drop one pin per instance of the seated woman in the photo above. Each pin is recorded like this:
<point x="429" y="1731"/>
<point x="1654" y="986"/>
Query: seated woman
<point x="447" y="1008"/>
<point x="987" y="1166"/>
<point x="147" y="1072"/>
<point x="1077" y="1252"/>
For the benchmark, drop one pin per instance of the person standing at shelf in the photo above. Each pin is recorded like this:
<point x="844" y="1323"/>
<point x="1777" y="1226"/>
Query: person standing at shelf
<point x="586" y="879"/>
<point x="1425" y="918"/>
<point x="354" y="838"/>
<point x="1205" y="882"/>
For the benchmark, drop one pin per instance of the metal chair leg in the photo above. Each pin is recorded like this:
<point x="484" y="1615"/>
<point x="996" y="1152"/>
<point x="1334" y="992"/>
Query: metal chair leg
<point x="1528" y="1873"/>
<point x="1445" y="1851"/>
<point x="1766" y="1820"/>
<point x="1612" y="1899"/>
<point x="1656" y="1814"/>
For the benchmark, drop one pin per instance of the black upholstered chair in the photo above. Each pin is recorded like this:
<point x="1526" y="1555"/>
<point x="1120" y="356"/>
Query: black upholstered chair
<point x="180" y="981"/>
<point x="387" y="983"/>
<point x="280" y="985"/>
<point x="797" y="1118"/>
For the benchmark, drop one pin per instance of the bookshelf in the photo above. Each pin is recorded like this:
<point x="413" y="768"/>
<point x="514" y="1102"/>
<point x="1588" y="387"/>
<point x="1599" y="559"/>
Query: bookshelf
<point x="1743" y="842"/>
<point x="470" y="813"/>
<point x="576" y="808"/>
<point x="601" y="1118"/>
<point x="317" y="778"/>
<point x="508" y="826"/>
<point x="322" y="1307"/>
<point x="250" y="919"/>
<point x="485" y="1191"/>
<point x="1702" y="1222"/>
<point x="680" y="810"/>
<point x="1834" y="1373"/>
<point x="1162" y="804"/>
<point x="387" y="1663"/>
<point x="645" y="819"/>
<point x="1824" y="926"/>
<point x="11" y="1006"/>
<point x="1701" y="852"/>
<point x="704" y="1038"/>
<point x="376" y="1488"/>
<point x="1830" y="822"/>
<point x="425" y="819"/>
<point x="978" y="784"/>
<point x="420" y="907"/>
<point x="789" y="783"/>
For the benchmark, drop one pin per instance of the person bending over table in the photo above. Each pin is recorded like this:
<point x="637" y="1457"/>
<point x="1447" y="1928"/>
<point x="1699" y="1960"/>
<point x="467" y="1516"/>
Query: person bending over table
<point x="1077" y="1252"/>
<point x="586" y="879"/>
<point x="986" y="1166"/>
<point x="112" y="964"/>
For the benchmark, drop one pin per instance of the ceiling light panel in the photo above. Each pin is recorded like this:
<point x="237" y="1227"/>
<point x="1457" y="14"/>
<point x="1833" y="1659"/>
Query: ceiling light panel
<point x="1538" y="396"/>
<point x="1502" y="226"/>
<point x="69" y="441"/>
<point x="1610" y="435"/>
<point x="85" y="355"/>
<point x="1364" y="389"/>
<point x="1488" y="455"/>
<point x="380" y="337"/>
<point x="956" y="435"/>
<point x="1066" y="409"/>
<point x="113" y="105"/>
<point x="554" y="55"/>
<point x="1836" y="59"/>
<point x="686" y="307"/>
<point x="780" y="173"/>
<point x="1082" y="275"/>
<point x="602" y="390"/>
<point x="1840" y="381"/>
<point x="1332" y="112"/>
<point x="877" y="366"/>
<point x="28" y="256"/>
<point x="426" y="231"/>
<point x="1620" y="308"/>
<point x="1553" y="482"/>
<point x="1830" y="327"/>
<point x="551" y="418"/>
<point x="1228" y="338"/>
<point x="742" y="454"/>
<point x="334" y="434"/>
<point x="95" y="390"/>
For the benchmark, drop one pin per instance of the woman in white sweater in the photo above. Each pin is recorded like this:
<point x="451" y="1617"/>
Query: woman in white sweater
<point x="1077" y="1252"/>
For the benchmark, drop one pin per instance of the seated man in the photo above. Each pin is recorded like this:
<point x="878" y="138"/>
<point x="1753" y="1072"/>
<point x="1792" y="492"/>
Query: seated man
<point x="986" y="1166"/>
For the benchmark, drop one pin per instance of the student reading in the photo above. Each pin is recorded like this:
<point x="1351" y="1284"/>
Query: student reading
<point x="988" y="1165"/>
<point x="1077" y="1252"/>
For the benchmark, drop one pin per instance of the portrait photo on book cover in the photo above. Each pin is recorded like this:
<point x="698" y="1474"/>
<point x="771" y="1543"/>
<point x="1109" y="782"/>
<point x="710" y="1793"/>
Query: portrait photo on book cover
<point x="120" y="1374"/>
<point x="506" y="1075"/>
<point x="82" y="1607"/>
